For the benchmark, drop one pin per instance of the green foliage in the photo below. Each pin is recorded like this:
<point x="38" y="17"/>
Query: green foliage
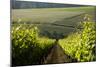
<point x="27" y="46"/>
<point x="81" y="45"/>
<point x="88" y="39"/>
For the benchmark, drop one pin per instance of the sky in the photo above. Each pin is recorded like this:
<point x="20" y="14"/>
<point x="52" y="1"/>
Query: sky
<point x="83" y="2"/>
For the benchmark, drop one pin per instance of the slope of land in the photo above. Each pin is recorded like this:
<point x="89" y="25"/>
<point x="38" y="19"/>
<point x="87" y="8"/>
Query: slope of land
<point x="50" y="20"/>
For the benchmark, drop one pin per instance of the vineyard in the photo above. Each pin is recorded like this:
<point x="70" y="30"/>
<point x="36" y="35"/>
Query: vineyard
<point x="45" y="43"/>
<point x="27" y="46"/>
<point x="81" y="44"/>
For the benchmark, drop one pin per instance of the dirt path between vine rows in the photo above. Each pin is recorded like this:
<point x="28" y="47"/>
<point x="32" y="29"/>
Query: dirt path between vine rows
<point x="57" y="55"/>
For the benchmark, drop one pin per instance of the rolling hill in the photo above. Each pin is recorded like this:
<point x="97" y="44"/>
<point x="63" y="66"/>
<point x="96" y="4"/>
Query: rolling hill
<point x="33" y="4"/>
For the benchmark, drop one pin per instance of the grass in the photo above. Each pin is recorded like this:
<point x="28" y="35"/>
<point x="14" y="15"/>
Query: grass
<point x="48" y="15"/>
<point x="42" y="16"/>
<point x="46" y="18"/>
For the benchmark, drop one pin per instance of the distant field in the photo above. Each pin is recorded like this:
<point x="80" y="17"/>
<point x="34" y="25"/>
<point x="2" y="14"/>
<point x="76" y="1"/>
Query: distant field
<point x="42" y="15"/>
<point x="53" y="19"/>
<point x="48" y="14"/>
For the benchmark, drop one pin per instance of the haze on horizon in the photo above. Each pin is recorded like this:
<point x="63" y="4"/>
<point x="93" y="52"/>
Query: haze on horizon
<point x="81" y="2"/>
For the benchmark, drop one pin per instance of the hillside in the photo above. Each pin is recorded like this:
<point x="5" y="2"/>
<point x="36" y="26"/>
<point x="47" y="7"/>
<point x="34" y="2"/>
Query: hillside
<point x="32" y="4"/>
<point x="53" y="20"/>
